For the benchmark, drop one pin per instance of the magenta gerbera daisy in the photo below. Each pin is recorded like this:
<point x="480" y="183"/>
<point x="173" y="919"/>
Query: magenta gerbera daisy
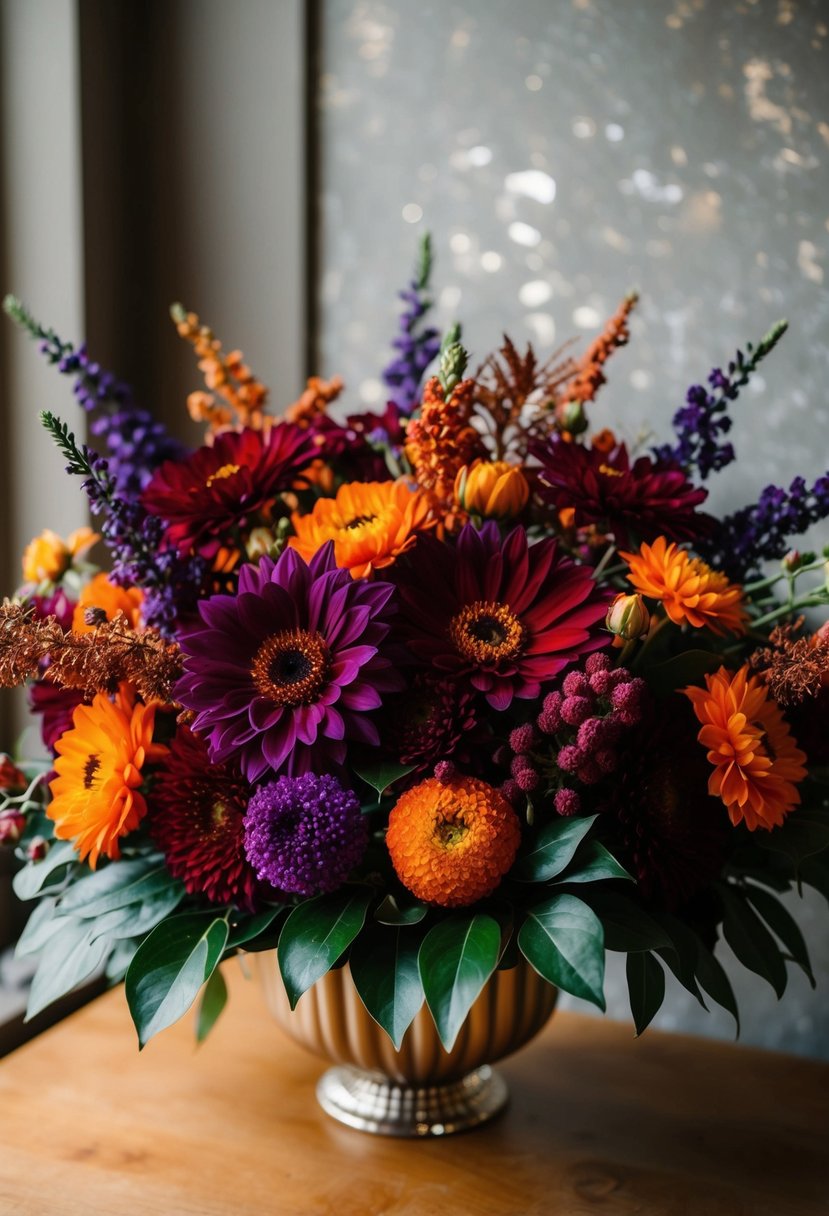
<point x="282" y="674"/>
<point x="226" y="485"/>
<point x="506" y="615"/>
<point x="643" y="499"/>
<point x="197" y="819"/>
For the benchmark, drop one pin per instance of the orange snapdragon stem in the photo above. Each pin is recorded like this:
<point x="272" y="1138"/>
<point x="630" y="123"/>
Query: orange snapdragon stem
<point x="589" y="376"/>
<point x="234" y="397"/>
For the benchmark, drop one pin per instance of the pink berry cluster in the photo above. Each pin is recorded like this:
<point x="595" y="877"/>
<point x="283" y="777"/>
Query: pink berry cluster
<point x="574" y="740"/>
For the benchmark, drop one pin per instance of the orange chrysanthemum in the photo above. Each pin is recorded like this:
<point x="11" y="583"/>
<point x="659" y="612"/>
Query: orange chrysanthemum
<point x="757" y="763"/>
<point x="691" y="591"/>
<point x="95" y="798"/>
<point x="370" y="523"/>
<point x="99" y="592"/>
<point x="452" y="844"/>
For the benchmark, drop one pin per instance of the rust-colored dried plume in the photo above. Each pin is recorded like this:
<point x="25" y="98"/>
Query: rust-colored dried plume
<point x="98" y="661"/>
<point x="795" y="669"/>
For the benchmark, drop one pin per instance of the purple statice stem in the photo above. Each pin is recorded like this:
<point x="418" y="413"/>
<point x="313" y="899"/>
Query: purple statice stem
<point x="415" y="346"/>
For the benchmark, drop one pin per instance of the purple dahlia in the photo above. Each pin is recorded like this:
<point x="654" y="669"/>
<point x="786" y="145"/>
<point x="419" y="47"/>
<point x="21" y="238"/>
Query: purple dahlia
<point x="504" y="615"/>
<point x="305" y="834"/>
<point x="284" y="673"/>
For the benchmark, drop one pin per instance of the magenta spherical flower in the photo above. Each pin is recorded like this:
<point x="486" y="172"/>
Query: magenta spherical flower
<point x="643" y="499"/>
<point x="305" y="834"/>
<point x="503" y="615"/>
<point x="226" y="485"/>
<point x="197" y="814"/>
<point x="284" y="674"/>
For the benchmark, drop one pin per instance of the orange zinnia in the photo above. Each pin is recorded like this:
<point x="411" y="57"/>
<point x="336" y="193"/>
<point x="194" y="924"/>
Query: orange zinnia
<point x="99" y="592"/>
<point x="370" y="523"/>
<point x="691" y="591"/>
<point x="452" y="844"/>
<point x="756" y="761"/>
<point x="95" y="798"/>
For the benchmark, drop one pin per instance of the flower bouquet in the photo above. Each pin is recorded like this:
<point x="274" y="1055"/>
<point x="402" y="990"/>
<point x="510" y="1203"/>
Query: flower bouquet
<point x="418" y="697"/>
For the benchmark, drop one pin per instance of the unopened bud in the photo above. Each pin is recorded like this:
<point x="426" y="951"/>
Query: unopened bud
<point x="37" y="848"/>
<point x="628" y="617"/>
<point x="573" y="418"/>
<point x="492" y="489"/>
<point x="94" y="617"/>
<point x="12" y="824"/>
<point x="11" y="777"/>
<point x="259" y="543"/>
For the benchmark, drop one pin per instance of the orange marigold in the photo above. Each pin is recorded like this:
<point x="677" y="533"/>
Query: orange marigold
<point x="757" y="763"/>
<point x="691" y="591"/>
<point x="95" y="798"/>
<point x="452" y="844"/>
<point x="370" y="523"/>
<point x="99" y="592"/>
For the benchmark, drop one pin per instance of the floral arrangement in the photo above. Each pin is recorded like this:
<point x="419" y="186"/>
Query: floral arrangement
<point x="419" y="690"/>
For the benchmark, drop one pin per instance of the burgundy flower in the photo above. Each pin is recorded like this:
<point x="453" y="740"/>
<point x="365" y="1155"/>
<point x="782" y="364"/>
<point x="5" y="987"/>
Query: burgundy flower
<point x="55" y="706"/>
<point x="429" y="722"/>
<point x="283" y="674"/>
<point x="226" y="485"/>
<point x="197" y="814"/>
<point x="642" y="500"/>
<point x="505" y="615"/>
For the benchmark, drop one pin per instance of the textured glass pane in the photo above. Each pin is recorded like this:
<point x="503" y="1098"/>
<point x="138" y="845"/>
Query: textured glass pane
<point x="561" y="153"/>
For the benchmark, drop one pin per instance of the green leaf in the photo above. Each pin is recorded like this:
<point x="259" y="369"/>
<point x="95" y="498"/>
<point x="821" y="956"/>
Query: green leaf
<point x="135" y="920"/>
<point x="751" y="941"/>
<point x="646" y="988"/>
<point x="396" y="910"/>
<point x="120" y="959"/>
<point x="248" y="929"/>
<point x="683" y="669"/>
<point x="40" y="928"/>
<point x="681" y="955"/>
<point x="31" y="880"/>
<point x="804" y="833"/>
<point x="783" y="925"/>
<point x="118" y="885"/>
<point x="385" y="972"/>
<point x="712" y="977"/>
<point x="213" y="1001"/>
<point x="316" y="933"/>
<point x="593" y="863"/>
<point x="554" y="848"/>
<point x="170" y="967"/>
<point x="564" y="940"/>
<point x="456" y="959"/>
<point x="383" y="774"/>
<point x="627" y="927"/>
<point x="69" y="958"/>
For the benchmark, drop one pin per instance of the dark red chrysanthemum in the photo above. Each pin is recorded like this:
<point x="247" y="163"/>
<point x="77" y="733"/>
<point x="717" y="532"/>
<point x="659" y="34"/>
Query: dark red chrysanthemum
<point x="197" y="813"/>
<point x="503" y="615"/>
<point x="637" y="501"/>
<point x="56" y="706"/>
<point x="429" y="722"/>
<point x="225" y="485"/>
<point x="672" y="834"/>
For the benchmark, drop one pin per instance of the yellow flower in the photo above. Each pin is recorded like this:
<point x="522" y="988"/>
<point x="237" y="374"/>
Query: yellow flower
<point x="492" y="489"/>
<point x="47" y="557"/>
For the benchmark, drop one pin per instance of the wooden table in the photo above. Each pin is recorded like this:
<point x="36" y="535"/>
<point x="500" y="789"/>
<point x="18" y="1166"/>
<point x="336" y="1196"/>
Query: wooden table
<point x="599" y="1123"/>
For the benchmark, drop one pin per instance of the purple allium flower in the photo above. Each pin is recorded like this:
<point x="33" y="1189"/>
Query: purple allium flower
<point x="281" y="676"/>
<point x="305" y="834"/>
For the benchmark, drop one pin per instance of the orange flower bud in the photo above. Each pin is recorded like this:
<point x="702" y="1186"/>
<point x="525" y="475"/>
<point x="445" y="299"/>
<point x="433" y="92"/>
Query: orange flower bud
<point x="492" y="489"/>
<point x="628" y="617"/>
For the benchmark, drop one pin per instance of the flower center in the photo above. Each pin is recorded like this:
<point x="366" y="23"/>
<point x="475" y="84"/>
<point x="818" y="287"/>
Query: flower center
<point x="487" y="633"/>
<point x="227" y="470"/>
<point x="359" y="521"/>
<point x="291" y="668"/>
<point x="608" y="471"/>
<point x="93" y="763"/>
<point x="450" y="832"/>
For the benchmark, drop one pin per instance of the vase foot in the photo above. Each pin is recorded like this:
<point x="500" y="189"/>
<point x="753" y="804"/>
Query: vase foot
<point x="373" y="1103"/>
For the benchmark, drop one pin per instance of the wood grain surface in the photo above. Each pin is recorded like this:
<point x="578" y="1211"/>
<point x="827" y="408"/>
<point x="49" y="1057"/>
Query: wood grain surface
<point x="599" y="1123"/>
